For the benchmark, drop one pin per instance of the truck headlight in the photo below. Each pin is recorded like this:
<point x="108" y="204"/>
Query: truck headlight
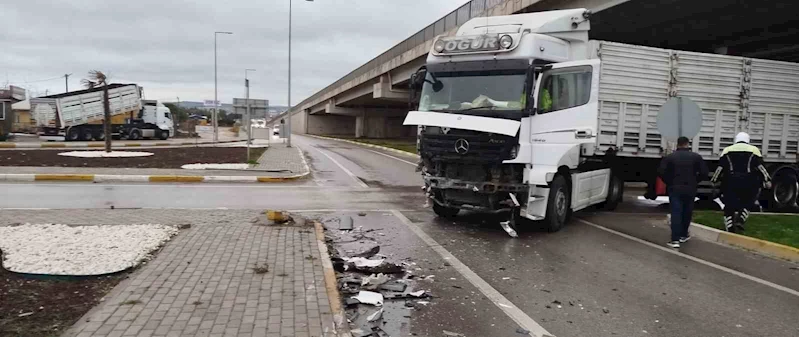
<point x="506" y="41"/>
<point x="439" y="46"/>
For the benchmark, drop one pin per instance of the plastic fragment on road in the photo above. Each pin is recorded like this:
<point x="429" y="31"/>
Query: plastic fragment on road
<point x="522" y="331"/>
<point x="453" y="334"/>
<point x="419" y="293"/>
<point x="368" y="297"/>
<point x="361" y="262"/>
<point x="374" y="280"/>
<point x="369" y="253"/>
<point x="393" y="286"/>
<point x="375" y="316"/>
<point x="345" y="224"/>
<point x="506" y="226"/>
<point x="25" y="314"/>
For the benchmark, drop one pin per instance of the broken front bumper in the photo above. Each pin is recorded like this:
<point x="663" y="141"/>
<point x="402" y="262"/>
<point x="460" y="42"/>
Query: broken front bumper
<point x="481" y="196"/>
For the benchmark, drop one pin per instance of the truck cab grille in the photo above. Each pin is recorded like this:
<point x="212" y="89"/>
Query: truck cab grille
<point x="465" y="146"/>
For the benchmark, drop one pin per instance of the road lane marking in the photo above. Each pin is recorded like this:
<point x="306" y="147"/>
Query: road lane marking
<point x="392" y="157"/>
<point x="510" y="309"/>
<point x="693" y="258"/>
<point x="348" y="172"/>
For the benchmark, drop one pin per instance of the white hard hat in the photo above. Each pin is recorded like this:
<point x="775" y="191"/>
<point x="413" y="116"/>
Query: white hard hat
<point x="742" y="137"/>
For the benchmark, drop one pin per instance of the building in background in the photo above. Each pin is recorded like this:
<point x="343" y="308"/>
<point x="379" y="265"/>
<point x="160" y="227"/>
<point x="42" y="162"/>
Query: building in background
<point x="8" y="97"/>
<point x="24" y="122"/>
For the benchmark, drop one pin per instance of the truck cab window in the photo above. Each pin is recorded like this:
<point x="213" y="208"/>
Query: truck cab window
<point x="166" y="114"/>
<point x="564" y="88"/>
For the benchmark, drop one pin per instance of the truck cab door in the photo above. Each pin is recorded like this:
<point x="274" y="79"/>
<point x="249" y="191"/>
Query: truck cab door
<point x="567" y="104"/>
<point x="565" y="120"/>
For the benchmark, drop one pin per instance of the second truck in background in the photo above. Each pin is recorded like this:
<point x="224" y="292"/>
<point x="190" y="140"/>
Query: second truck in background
<point x="78" y="115"/>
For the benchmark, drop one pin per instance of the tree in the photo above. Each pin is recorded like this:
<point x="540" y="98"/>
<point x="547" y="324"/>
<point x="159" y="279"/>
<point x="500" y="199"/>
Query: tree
<point x="96" y="79"/>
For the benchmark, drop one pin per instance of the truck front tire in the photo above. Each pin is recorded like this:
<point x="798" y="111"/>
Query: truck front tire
<point x="558" y="204"/>
<point x="163" y="134"/>
<point x="444" y="211"/>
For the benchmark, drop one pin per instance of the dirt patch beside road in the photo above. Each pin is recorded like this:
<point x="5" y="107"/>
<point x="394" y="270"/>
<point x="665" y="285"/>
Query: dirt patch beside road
<point x="162" y="158"/>
<point x="35" y="307"/>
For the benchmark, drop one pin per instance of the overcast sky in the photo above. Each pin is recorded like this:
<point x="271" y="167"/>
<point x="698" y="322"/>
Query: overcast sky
<point x="166" y="46"/>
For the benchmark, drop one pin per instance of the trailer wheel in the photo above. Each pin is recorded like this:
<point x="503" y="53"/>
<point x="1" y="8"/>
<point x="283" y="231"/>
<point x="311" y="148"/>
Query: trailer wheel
<point x="99" y="135"/>
<point x="784" y="191"/>
<point x="73" y="134"/>
<point x="444" y="211"/>
<point x="615" y="193"/>
<point x="559" y="204"/>
<point x="163" y="134"/>
<point x="86" y="134"/>
<point x="134" y="134"/>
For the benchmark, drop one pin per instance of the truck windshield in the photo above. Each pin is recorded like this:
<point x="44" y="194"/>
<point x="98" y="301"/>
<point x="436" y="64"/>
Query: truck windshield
<point x="473" y="90"/>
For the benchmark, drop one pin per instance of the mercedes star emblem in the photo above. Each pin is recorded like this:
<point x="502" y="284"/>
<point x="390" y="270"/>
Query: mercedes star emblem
<point x="461" y="146"/>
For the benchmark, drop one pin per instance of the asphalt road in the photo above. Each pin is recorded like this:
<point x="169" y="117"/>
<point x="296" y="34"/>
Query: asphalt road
<point x="606" y="274"/>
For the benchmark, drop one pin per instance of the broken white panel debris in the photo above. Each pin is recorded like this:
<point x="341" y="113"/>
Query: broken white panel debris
<point x="368" y="297"/>
<point x="364" y="263"/>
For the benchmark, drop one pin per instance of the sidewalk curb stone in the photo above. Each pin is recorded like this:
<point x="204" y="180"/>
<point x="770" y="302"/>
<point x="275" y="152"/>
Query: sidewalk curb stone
<point x="756" y="245"/>
<point x="331" y="285"/>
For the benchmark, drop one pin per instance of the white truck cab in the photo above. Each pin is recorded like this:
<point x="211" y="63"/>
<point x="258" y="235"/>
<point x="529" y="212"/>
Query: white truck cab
<point x="507" y="111"/>
<point x="155" y="112"/>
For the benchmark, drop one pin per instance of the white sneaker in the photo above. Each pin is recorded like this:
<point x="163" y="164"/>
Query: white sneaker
<point x="673" y="244"/>
<point x="685" y="238"/>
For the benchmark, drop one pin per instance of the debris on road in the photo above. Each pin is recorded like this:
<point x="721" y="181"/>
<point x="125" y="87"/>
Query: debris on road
<point x="368" y="297"/>
<point x="522" y="331"/>
<point x="373" y="281"/>
<point x="453" y="334"/>
<point x="345" y="224"/>
<point x="368" y="253"/>
<point x="377" y="315"/>
<point x="506" y="226"/>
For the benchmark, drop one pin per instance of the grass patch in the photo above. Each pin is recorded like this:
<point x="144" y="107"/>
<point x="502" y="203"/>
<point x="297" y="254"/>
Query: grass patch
<point x="782" y="229"/>
<point x="407" y="145"/>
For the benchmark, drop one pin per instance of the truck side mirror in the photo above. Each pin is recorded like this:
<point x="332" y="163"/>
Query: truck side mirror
<point x="417" y="79"/>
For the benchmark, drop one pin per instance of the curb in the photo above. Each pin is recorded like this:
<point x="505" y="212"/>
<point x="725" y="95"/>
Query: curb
<point x="756" y="245"/>
<point x="101" y="178"/>
<point x="100" y="145"/>
<point x="331" y="285"/>
<point x="367" y="145"/>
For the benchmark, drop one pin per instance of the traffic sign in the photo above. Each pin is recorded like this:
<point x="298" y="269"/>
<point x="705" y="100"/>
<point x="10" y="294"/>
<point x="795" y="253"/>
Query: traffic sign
<point x="679" y="117"/>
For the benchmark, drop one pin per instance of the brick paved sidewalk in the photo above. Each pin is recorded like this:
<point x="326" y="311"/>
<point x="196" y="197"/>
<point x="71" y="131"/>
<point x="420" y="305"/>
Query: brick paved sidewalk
<point x="280" y="157"/>
<point x="202" y="283"/>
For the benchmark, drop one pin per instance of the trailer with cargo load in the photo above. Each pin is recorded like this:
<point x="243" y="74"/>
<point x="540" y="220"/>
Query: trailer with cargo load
<point x="79" y="115"/>
<point x="524" y="114"/>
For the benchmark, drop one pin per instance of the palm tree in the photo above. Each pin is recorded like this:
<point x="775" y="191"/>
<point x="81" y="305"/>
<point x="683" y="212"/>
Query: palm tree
<point x="95" y="79"/>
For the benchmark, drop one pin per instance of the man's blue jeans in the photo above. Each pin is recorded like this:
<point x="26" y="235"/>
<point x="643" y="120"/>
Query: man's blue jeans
<point x="682" y="209"/>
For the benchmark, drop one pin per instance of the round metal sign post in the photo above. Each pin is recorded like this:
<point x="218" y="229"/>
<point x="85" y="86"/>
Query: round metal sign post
<point x="679" y="117"/>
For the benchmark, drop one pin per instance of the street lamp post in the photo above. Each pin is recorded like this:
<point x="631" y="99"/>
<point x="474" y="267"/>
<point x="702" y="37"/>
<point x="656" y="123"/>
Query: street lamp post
<point x="249" y="116"/>
<point x="215" y="117"/>
<point x="288" y="111"/>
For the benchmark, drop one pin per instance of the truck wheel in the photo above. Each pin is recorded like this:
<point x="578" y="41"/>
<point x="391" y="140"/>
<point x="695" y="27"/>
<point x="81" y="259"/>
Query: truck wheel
<point x="559" y="204"/>
<point x="73" y="134"/>
<point x="99" y="135"/>
<point x="163" y="134"/>
<point x="86" y="134"/>
<point x="134" y="134"/>
<point x="615" y="193"/>
<point x="784" y="191"/>
<point x="444" y="211"/>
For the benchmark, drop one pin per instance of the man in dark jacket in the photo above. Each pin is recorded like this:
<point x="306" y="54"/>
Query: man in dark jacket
<point x="682" y="171"/>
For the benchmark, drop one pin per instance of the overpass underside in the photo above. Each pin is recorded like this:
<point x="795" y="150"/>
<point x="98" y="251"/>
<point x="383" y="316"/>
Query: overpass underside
<point x="373" y="100"/>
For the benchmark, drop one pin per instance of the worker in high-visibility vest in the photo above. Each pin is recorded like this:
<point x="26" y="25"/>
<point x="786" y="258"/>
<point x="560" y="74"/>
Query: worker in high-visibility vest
<point x="741" y="166"/>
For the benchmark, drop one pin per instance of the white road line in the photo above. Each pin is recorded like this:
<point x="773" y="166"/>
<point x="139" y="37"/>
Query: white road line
<point x="695" y="259"/>
<point x="392" y="157"/>
<point x="348" y="172"/>
<point x="510" y="309"/>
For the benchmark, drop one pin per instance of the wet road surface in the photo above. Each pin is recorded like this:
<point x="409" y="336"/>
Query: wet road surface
<point x="603" y="275"/>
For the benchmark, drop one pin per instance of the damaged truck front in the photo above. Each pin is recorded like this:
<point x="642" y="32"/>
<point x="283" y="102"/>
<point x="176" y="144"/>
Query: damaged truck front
<point x="486" y="140"/>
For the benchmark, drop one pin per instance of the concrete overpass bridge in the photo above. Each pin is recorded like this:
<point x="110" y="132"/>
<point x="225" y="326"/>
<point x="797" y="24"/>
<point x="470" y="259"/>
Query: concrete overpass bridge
<point x="371" y="101"/>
